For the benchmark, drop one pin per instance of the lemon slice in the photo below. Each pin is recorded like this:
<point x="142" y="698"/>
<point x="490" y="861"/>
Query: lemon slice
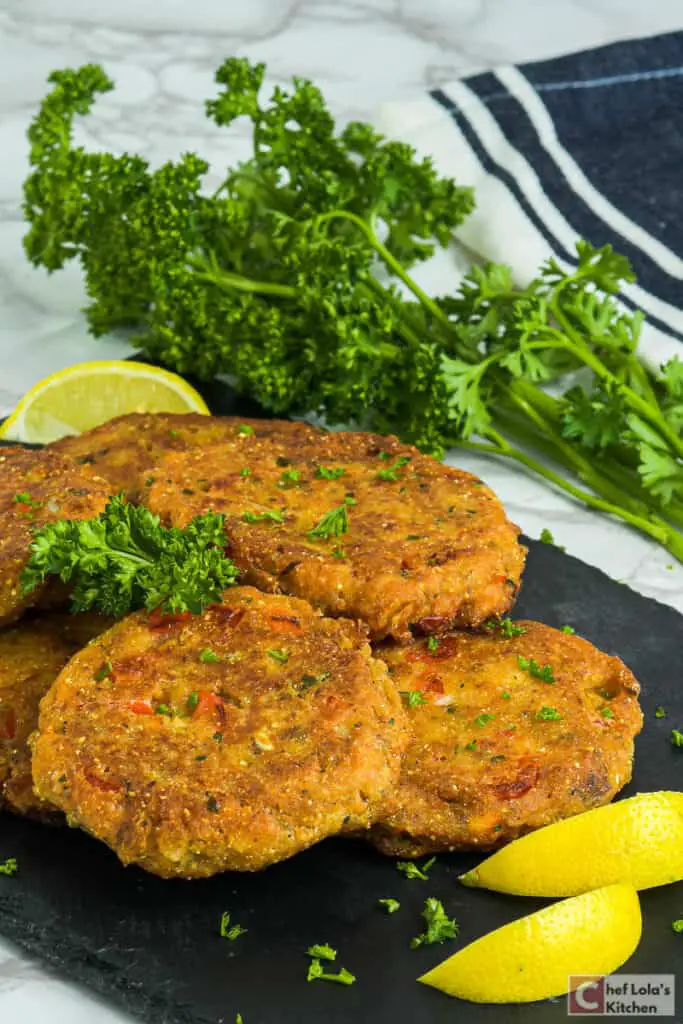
<point x="85" y="395"/>
<point x="533" y="958"/>
<point x="638" y="841"/>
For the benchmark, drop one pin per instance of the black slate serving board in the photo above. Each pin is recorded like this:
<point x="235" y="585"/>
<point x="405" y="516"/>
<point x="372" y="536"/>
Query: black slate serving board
<point x="153" y="946"/>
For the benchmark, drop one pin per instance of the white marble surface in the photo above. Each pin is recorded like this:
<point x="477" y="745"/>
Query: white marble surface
<point x="162" y="55"/>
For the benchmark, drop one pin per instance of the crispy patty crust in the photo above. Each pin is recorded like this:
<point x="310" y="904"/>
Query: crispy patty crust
<point x="122" y="448"/>
<point x="32" y="654"/>
<point x="428" y="547"/>
<point x="509" y="734"/>
<point x="38" y="487"/>
<point x="225" y="741"/>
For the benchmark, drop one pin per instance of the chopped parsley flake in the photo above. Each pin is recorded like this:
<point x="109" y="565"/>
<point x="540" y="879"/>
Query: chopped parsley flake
<point x="439" y="928"/>
<point x="548" y="715"/>
<point x="246" y="471"/>
<point x="413" y="698"/>
<point x="244" y="429"/>
<point x="432" y="644"/>
<point x="338" y="552"/>
<point x="568" y="629"/>
<point x="230" y="931"/>
<point x="279" y="654"/>
<point x="505" y="695"/>
<point x="677" y="738"/>
<point x="327" y="473"/>
<point x="192" y="702"/>
<point x="307" y="681"/>
<point x="9" y="867"/>
<point x="606" y="712"/>
<point x="289" y="478"/>
<point x="103" y="671"/>
<point x="390" y="905"/>
<point x="208" y="656"/>
<point x="322" y="951"/>
<point x="678" y="926"/>
<point x="531" y="666"/>
<point x="391" y="472"/>
<point x="508" y="629"/>
<point x="660" y="712"/>
<point x="24" y="498"/>
<point x="412" y="870"/>
<point x="262" y="517"/>
<point x="482" y="720"/>
<point x="472" y="745"/>
<point x="317" y="973"/>
<point x="547" y="538"/>
<point x="164" y="709"/>
<point x="334" y="523"/>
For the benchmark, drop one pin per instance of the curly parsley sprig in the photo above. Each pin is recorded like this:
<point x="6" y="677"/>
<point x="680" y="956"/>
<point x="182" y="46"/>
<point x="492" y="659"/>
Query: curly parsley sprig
<point x="125" y="559"/>
<point x="275" y="281"/>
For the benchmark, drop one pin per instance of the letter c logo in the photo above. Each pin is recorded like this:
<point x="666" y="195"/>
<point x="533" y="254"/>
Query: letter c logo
<point x="583" y="998"/>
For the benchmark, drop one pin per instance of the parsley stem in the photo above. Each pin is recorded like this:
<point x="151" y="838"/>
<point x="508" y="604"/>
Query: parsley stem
<point x="582" y="467"/>
<point x="576" y="344"/>
<point x="653" y="526"/>
<point x="229" y="281"/>
<point x="616" y="470"/>
<point x="390" y="261"/>
<point x="639" y="373"/>
<point x="621" y="477"/>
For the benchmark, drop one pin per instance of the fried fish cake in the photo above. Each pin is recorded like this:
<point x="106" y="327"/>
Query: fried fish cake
<point x="510" y="733"/>
<point x="222" y="741"/>
<point x="32" y="654"/>
<point x="126" y="446"/>
<point x="359" y="525"/>
<point x="38" y="487"/>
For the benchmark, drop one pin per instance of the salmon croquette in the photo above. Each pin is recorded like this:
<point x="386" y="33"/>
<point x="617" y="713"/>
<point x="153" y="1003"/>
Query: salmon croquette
<point x="509" y="733"/>
<point x="38" y="487"/>
<point x="359" y="525"/>
<point x="32" y="654"/>
<point x="223" y="741"/>
<point x="126" y="446"/>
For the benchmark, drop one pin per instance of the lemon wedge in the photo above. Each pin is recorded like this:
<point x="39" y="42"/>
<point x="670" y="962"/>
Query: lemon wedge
<point x="638" y="841"/>
<point x="533" y="958"/>
<point x="85" y="395"/>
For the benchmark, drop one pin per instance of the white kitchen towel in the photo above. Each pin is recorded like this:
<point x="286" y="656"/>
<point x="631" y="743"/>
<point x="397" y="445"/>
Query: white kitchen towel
<point x="584" y="146"/>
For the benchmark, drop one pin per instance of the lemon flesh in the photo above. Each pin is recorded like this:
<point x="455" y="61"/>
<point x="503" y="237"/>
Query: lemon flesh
<point x="532" y="958"/>
<point x="88" y="394"/>
<point x="638" y="841"/>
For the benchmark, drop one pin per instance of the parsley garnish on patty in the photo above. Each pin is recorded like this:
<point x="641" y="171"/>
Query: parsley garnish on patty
<point x="530" y="665"/>
<point x="124" y="559"/>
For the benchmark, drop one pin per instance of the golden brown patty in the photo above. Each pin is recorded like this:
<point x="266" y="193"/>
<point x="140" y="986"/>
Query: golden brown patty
<point x="32" y="654"/>
<point x="427" y="547"/>
<point x="38" y="487"/>
<point x="498" y="751"/>
<point x="122" y="448"/>
<point x="230" y="740"/>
